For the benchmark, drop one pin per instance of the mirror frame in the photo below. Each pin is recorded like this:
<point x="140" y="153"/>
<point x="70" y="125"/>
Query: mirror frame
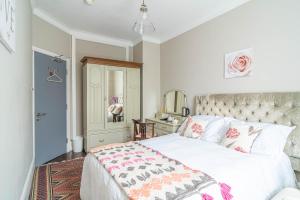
<point x="164" y="100"/>
<point x="122" y="123"/>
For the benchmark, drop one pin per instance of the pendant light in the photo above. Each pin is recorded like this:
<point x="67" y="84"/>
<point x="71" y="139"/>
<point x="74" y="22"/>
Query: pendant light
<point x="90" y="2"/>
<point x="142" y="24"/>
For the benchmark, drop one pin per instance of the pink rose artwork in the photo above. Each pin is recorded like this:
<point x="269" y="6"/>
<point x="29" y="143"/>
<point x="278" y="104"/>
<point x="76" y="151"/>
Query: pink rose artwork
<point x="232" y="133"/>
<point x="239" y="64"/>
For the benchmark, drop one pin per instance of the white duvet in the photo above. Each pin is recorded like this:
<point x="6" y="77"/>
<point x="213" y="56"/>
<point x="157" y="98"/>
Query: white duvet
<point x="252" y="177"/>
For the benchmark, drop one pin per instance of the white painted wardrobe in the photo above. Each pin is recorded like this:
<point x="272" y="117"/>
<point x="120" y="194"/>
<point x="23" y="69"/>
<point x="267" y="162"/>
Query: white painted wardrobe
<point x="111" y="99"/>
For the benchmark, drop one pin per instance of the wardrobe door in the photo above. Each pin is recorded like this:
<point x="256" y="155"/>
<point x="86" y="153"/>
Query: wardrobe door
<point x="133" y="95"/>
<point x="95" y="97"/>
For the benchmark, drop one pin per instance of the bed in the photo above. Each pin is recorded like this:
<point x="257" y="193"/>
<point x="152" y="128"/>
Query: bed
<point x="250" y="176"/>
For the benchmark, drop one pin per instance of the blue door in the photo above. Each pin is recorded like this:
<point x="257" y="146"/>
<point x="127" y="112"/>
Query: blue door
<point x="50" y="107"/>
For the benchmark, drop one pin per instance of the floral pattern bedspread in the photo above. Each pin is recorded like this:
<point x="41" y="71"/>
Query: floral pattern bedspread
<point x="145" y="174"/>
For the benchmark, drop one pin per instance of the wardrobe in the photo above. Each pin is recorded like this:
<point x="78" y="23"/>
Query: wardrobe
<point x="111" y="99"/>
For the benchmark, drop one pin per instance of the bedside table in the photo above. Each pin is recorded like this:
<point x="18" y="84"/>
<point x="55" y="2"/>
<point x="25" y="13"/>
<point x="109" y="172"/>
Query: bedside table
<point x="295" y="161"/>
<point x="287" y="194"/>
<point x="163" y="127"/>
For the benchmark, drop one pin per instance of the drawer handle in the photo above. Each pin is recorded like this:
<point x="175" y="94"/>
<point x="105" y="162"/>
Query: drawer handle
<point x="101" y="140"/>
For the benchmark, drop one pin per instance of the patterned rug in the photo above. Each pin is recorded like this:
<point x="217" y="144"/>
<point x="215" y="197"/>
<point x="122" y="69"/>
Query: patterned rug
<point x="59" y="181"/>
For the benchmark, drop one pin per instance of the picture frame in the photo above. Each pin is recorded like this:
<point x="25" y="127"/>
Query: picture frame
<point x="239" y="63"/>
<point x="8" y="24"/>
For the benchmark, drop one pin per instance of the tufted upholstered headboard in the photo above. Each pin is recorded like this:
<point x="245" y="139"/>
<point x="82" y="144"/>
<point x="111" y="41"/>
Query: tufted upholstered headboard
<point x="278" y="108"/>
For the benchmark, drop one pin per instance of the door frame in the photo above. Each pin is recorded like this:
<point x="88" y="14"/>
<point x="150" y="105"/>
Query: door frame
<point x="68" y="95"/>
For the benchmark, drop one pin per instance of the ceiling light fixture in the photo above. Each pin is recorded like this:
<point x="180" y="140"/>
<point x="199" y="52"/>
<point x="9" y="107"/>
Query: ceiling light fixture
<point x="143" y="24"/>
<point x="90" y="2"/>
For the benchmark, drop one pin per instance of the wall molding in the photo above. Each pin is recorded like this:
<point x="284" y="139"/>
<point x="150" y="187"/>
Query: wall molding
<point x="44" y="16"/>
<point x="146" y="39"/>
<point x="28" y="181"/>
<point x="87" y="36"/>
<point x="92" y="37"/>
<point x="100" y="39"/>
<point x="124" y="43"/>
<point x="199" y="22"/>
<point x="151" y="40"/>
<point x="137" y="41"/>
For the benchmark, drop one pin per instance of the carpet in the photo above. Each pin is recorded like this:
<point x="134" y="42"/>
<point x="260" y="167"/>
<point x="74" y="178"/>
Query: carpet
<point x="59" y="181"/>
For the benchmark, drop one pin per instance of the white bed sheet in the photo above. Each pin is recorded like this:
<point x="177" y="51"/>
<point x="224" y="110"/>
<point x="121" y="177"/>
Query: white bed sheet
<point x="250" y="176"/>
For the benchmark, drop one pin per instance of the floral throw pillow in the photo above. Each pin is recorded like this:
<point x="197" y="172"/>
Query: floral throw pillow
<point x="193" y="128"/>
<point x="241" y="137"/>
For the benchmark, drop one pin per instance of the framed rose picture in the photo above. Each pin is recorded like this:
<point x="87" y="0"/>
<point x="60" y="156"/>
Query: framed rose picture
<point x="7" y="24"/>
<point x="239" y="63"/>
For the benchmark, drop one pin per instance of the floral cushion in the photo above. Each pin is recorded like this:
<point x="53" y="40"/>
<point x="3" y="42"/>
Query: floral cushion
<point x="241" y="137"/>
<point x="193" y="128"/>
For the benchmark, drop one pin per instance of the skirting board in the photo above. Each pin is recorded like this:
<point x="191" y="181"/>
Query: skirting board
<point x="28" y="181"/>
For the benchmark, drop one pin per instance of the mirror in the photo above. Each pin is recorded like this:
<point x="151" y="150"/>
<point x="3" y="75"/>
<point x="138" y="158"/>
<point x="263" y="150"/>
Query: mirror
<point x="115" y="96"/>
<point x="174" y="101"/>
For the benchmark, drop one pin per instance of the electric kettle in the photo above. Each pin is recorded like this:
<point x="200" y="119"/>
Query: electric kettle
<point x="185" y="111"/>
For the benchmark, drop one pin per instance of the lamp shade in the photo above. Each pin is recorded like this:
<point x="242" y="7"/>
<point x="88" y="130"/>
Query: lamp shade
<point x="143" y="24"/>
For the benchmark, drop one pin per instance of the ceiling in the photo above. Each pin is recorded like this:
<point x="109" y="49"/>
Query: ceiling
<point x="113" y="19"/>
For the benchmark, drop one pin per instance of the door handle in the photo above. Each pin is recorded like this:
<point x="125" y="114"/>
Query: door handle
<point x="39" y="115"/>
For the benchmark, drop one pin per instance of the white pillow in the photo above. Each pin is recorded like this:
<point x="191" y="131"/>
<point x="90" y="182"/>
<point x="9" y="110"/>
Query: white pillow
<point x="271" y="141"/>
<point x="215" y="129"/>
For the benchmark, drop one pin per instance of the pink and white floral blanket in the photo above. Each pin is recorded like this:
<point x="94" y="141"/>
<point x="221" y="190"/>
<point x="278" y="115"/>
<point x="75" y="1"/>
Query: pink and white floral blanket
<point x="144" y="174"/>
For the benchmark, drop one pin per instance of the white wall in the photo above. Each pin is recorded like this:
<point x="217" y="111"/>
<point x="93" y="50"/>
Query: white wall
<point x="151" y="79"/>
<point x="149" y="54"/>
<point x="49" y="37"/>
<point x="16" y="148"/>
<point x="194" y="61"/>
<point x="138" y="52"/>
